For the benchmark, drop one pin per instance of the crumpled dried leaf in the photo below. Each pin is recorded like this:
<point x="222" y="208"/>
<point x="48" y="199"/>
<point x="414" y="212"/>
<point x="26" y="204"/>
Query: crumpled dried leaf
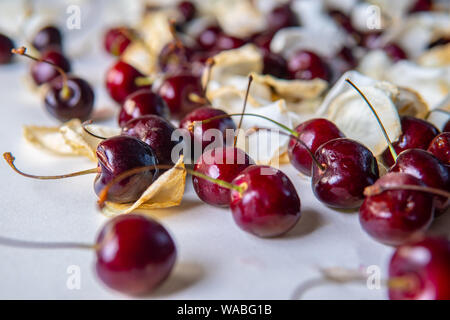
<point x="439" y="119"/>
<point x="410" y="103"/>
<point x="374" y="64"/>
<point x="167" y="191"/>
<point x="436" y="57"/>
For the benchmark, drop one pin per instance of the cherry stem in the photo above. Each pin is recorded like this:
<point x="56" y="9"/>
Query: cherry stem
<point x="210" y="62"/>
<point x="104" y="192"/>
<point x="250" y="79"/>
<point x="10" y="160"/>
<point x="45" y="245"/>
<point x="88" y="122"/>
<point x="144" y="81"/>
<point x="391" y="147"/>
<point x="375" y="190"/>
<point x="65" y="92"/>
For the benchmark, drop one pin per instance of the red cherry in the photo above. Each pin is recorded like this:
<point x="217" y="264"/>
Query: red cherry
<point x="306" y="65"/>
<point x="223" y="163"/>
<point x="116" y="40"/>
<point x="175" y="57"/>
<point x="135" y="254"/>
<point x="42" y="72"/>
<point x="446" y="127"/>
<point x="343" y="20"/>
<point x="342" y="62"/>
<point x="263" y="40"/>
<point x="6" y="45"/>
<point x="281" y="17"/>
<point x="440" y="147"/>
<point x="395" y="52"/>
<point x="46" y="38"/>
<point x="397" y="216"/>
<point x="425" y="264"/>
<point x="275" y="65"/>
<point x="268" y="205"/>
<point x="313" y="133"/>
<point x="187" y="9"/>
<point x="421" y="5"/>
<point x="121" y="81"/>
<point x="226" y="42"/>
<point x="207" y="39"/>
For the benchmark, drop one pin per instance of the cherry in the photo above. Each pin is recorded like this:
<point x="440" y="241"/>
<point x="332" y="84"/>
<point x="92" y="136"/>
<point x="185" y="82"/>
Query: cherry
<point x="421" y="5"/>
<point x="370" y="40"/>
<point x="175" y="56"/>
<point x="6" y="45"/>
<point x="263" y="40"/>
<point x="395" y="52"/>
<point x="395" y="216"/>
<point x="207" y="39"/>
<point x="42" y="72"/>
<point x="446" y="127"/>
<point x="135" y="254"/>
<point x="313" y="133"/>
<point x="424" y="264"/>
<point x="440" y="147"/>
<point x="156" y="132"/>
<point x="116" y="40"/>
<point x="267" y="205"/>
<point x="47" y="37"/>
<point x="416" y="133"/>
<point x="226" y="42"/>
<point x="275" y="65"/>
<point x="223" y="163"/>
<point x="141" y="103"/>
<point x="281" y="17"/>
<point x="306" y="65"/>
<point x="121" y="81"/>
<point x="343" y="20"/>
<point x="187" y="10"/>
<point x="342" y="62"/>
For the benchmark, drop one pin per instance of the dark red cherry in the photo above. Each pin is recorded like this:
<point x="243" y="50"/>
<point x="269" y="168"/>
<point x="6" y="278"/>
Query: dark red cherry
<point x="177" y="91"/>
<point x="394" y="217"/>
<point x="142" y="103"/>
<point x="342" y="19"/>
<point x="421" y="5"/>
<point x="275" y="65"/>
<point x="395" y="52"/>
<point x="75" y="103"/>
<point x="46" y="38"/>
<point x="187" y="10"/>
<point x="207" y="39"/>
<point x="416" y="133"/>
<point x="42" y="72"/>
<point x="226" y="42"/>
<point x="313" y="133"/>
<point x="281" y="17"/>
<point x="342" y="62"/>
<point x="440" y="147"/>
<point x="135" y="254"/>
<point x="175" y="57"/>
<point x="117" y="155"/>
<point x="446" y="127"/>
<point x="223" y="163"/>
<point x="6" y="45"/>
<point x="268" y="205"/>
<point x="348" y="168"/>
<point x="425" y="264"/>
<point x="263" y="40"/>
<point x="156" y="132"/>
<point x="116" y="40"/>
<point x="306" y="65"/>
<point x="121" y="81"/>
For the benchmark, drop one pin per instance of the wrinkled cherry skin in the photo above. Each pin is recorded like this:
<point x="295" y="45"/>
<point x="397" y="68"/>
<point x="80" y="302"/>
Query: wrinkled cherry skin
<point x="6" y="45"/>
<point x="223" y="163"/>
<point x="121" y="81"/>
<point x="349" y="168"/>
<point x="313" y="133"/>
<point x="269" y="207"/>
<point x="427" y="262"/>
<point x="394" y="217"/>
<point x="306" y="65"/>
<point x="395" y="52"/>
<point x="281" y="17"/>
<point x="42" y="72"/>
<point x="416" y="133"/>
<point x="117" y="155"/>
<point x="47" y="37"/>
<point x="116" y="40"/>
<point x="78" y="105"/>
<point x="440" y="147"/>
<point x="135" y="254"/>
<point x="142" y="103"/>
<point x="156" y="132"/>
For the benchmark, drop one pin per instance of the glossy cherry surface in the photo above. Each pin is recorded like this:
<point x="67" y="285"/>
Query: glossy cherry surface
<point x="275" y="65"/>
<point x="223" y="163"/>
<point x="175" y="57"/>
<point x="116" y="40"/>
<point x="281" y="17"/>
<point x="46" y="38"/>
<point x="395" y="52"/>
<point x="306" y="65"/>
<point x="426" y="264"/>
<point x="227" y="42"/>
<point x="446" y="127"/>
<point x="207" y="39"/>
<point x="349" y="167"/>
<point x="313" y="133"/>
<point x="42" y="72"/>
<point x="135" y="254"/>
<point x="421" y="5"/>
<point x="440" y="147"/>
<point x="397" y="216"/>
<point x="121" y="81"/>
<point x="117" y="155"/>
<point x="6" y="45"/>
<point x="187" y="9"/>
<point x="269" y="206"/>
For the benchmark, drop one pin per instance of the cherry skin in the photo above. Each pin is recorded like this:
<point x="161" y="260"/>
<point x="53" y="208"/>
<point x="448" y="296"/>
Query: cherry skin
<point x="121" y="81"/>
<point x="275" y="65"/>
<point x="343" y="20"/>
<point x="116" y="40"/>
<point x="416" y="133"/>
<point x="426" y="263"/>
<point x="142" y="103"/>
<point x="187" y="10"/>
<point x="440" y="147"/>
<point x="42" y="72"/>
<point x="135" y="254"/>
<point x="281" y="17"/>
<point x="117" y="155"/>
<point x="263" y="40"/>
<point x="47" y="37"/>
<point x="207" y="39"/>
<point x="223" y="163"/>
<point x="269" y="206"/>
<point x="226" y="42"/>
<point x="342" y="62"/>
<point x="313" y="133"/>
<point x="6" y="45"/>
<point x="394" y="217"/>
<point x="421" y="5"/>
<point x="395" y="52"/>
<point x="349" y="167"/>
<point x="306" y="65"/>
<point x="446" y="127"/>
<point x="156" y="132"/>
<point x="174" y="57"/>
<point x="77" y="105"/>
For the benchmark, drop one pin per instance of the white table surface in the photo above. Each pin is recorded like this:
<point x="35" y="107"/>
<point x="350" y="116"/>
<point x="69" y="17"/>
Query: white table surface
<point x="216" y="259"/>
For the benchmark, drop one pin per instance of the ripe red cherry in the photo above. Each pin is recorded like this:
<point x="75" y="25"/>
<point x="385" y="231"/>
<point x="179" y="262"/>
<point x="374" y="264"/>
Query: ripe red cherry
<point x="268" y="206"/>
<point x="313" y="133"/>
<point x="343" y="20"/>
<point x="416" y="133"/>
<point x="6" y="45"/>
<point x="274" y="65"/>
<point x="141" y="103"/>
<point x="207" y="39"/>
<point x="116" y="40"/>
<point x="306" y="65"/>
<point x="263" y="40"/>
<point x="342" y="62"/>
<point x="223" y="163"/>
<point x="175" y="57"/>
<point x="281" y="17"/>
<point x="187" y="9"/>
<point x="421" y="5"/>
<point x="397" y="216"/>
<point x="121" y="81"/>
<point x="226" y="42"/>
<point x="395" y="52"/>
<point x="446" y="127"/>
<point x="425" y="264"/>
<point x="42" y="72"/>
<point x="440" y="147"/>
<point x="348" y="168"/>
<point x="135" y="254"/>
<point x="46" y="38"/>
